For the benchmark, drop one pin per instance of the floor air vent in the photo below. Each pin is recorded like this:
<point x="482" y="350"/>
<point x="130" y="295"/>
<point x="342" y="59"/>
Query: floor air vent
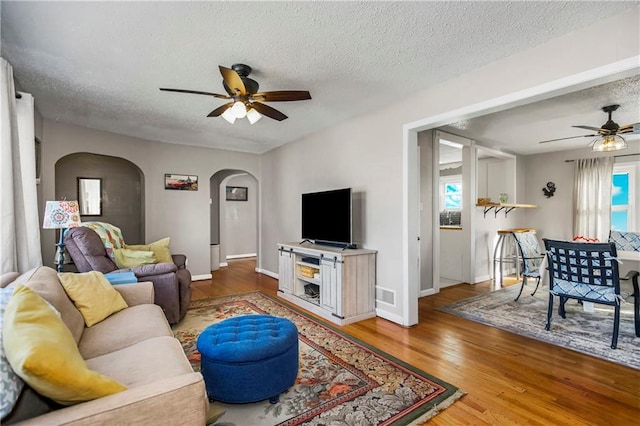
<point x="385" y="295"/>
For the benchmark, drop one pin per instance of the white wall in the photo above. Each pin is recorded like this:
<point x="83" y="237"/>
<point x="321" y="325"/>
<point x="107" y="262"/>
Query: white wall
<point x="366" y="151"/>
<point x="181" y="215"/>
<point x="554" y="218"/>
<point x="239" y="227"/>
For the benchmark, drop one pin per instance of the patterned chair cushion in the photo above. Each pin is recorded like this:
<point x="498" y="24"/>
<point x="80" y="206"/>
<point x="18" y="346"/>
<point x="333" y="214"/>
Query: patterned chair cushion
<point x="584" y="291"/>
<point x="625" y="241"/>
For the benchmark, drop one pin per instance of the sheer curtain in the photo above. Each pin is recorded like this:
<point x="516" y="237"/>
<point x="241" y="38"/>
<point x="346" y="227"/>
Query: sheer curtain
<point x="592" y="198"/>
<point x="19" y="222"/>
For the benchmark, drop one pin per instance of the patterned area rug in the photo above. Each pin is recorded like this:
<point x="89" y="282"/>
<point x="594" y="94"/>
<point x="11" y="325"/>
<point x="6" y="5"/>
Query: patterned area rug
<point x="586" y="332"/>
<point x="341" y="380"/>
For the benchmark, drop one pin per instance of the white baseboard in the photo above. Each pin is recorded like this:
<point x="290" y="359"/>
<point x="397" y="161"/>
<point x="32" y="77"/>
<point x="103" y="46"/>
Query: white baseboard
<point x="482" y="278"/>
<point x="201" y="277"/>
<point x="223" y="264"/>
<point x="427" y="292"/>
<point x="241" y="256"/>
<point x="267" y="273"/>
<point x="389" y="316"/>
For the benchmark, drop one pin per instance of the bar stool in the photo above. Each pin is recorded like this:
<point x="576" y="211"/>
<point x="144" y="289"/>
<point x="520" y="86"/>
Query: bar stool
<point x="502" y="256"/>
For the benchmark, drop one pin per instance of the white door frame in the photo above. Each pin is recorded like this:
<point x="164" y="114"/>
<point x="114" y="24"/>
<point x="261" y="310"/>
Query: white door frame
<point x="411" y="173"/>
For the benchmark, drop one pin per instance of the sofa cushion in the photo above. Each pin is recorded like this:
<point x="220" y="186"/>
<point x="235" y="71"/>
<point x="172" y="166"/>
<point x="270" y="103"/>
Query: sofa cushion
<point x="127" y="258"/>
<point x="45" y="282"/>
<point x="123" y="329"/>
<point x="8" y="278"/>
<point x="41" y="350"/>
<point x="93" y="295"/>
<point x="10" y="383"/>
<point x="144" y="362"/>
<point x="159" y="248"/>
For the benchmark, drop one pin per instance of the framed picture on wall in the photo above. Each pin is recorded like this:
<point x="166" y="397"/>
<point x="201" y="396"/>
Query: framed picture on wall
<point x="237" y="193"/>
<point x="181" y="182"/>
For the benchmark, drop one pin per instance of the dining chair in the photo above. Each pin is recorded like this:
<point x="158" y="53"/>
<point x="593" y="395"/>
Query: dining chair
<point x="629" y="241"/>
<point x="587" y="272"/>
<point x="531" y="257"/>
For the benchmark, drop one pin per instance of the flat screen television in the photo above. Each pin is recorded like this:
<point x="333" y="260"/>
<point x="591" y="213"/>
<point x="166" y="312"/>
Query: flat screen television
<point x="326" y="217"/>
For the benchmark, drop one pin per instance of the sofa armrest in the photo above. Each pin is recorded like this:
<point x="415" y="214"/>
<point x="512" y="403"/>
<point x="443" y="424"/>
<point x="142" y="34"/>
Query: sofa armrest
<point x="153" y="269"/>
<point x="172" y="401"/>
<point x="140" y="293"/>
<point x="180" y="260"/>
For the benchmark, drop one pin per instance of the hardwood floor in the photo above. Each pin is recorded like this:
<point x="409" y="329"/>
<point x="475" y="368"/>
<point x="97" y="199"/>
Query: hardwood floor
<point x="509" y="379"/>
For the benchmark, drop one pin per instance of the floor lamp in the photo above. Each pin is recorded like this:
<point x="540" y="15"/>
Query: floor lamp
<point x="61" y="215"/>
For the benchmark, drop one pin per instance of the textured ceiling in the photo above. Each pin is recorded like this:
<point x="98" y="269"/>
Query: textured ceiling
<point x="520" y="130"/>
<point x="100" y="64"/>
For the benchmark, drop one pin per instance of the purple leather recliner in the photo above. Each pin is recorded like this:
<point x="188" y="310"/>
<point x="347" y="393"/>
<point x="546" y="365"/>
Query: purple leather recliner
<point x="171" y="281"/>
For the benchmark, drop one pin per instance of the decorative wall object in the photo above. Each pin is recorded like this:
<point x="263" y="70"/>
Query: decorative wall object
<point x="90" y="196"/>
<point x="549" y="190"/>
<point x="181" y="182"/>
<point x="237" y="193"/>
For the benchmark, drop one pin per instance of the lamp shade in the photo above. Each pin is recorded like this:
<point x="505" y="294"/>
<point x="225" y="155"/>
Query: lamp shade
<point x="61" y="215"/>
<point x="609" y="143"/>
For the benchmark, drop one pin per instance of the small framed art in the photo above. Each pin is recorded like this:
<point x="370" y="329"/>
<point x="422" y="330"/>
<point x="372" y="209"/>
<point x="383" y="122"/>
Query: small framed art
<point x="237" y="193"/>
<point x="181" y="182"/>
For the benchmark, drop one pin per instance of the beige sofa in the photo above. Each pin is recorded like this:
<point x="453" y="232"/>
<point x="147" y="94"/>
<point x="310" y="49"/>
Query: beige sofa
<point x="136" y="347"/>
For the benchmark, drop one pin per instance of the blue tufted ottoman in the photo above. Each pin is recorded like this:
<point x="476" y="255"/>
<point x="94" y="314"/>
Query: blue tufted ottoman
<point x="249" y="358"/>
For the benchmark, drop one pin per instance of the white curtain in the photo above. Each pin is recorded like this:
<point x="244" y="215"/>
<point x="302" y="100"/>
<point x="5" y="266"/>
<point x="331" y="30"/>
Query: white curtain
<point x="19" y="222"/>
<point x="592" y="198"/>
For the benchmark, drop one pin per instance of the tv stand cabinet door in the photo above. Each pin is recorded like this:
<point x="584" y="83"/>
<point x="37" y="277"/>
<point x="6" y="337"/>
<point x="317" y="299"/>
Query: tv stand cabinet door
<point x="330" y="275"/>
<point x="286" y="270"/>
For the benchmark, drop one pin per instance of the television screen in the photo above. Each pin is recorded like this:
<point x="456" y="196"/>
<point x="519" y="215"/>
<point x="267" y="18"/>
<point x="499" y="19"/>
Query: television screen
<point x="326" y="216"/>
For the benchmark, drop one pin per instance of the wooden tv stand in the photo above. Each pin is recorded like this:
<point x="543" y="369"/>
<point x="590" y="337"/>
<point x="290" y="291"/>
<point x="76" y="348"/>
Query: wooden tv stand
<point x="334" y="283"/>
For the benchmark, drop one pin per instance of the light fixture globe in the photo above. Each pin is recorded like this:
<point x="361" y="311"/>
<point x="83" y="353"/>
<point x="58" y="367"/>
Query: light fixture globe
<point x="239" y="109"/>
<point x="229" y="116"/>
<point x="609" y="143"/>
<point x="253" y="115"/>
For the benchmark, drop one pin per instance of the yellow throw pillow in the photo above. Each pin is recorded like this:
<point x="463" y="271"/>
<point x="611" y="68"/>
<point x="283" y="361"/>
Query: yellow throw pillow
<point x="127" y="258"/>
<point x="42" y="351"/>
<point x="160" y="248"/>
<point x="92" y="294"/>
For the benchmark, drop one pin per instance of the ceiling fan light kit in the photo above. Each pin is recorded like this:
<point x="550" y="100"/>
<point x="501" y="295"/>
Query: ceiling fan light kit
<point x="608" y="135"/>
<point x="246" y="101"/>
<point x="609" y="143"/>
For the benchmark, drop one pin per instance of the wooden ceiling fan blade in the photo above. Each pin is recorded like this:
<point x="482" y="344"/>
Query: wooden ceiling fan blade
<point x="221" y="109"/>
<point x="196" y="92"/>
<point x="570" y="137"/>
<point x="268" y="111"/>
<point x="630" y="128"/>
<point x="595" y="129"/>
<point x="283" y="96"/>
<point x="233" y="81"/>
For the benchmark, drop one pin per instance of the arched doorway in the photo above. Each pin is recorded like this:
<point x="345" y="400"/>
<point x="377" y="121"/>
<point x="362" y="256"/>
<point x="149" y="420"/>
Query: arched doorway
<point x="234" y="218"/>
<point x="122" y="194"/>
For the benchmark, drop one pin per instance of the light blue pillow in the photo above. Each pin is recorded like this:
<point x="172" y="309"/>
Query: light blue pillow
<point x="11" y="383"/>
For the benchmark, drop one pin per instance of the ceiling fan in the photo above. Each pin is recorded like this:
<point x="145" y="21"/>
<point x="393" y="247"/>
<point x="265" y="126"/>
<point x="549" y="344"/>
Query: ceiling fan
<point x="244" y="96"/>
<point x="608" y="131"/>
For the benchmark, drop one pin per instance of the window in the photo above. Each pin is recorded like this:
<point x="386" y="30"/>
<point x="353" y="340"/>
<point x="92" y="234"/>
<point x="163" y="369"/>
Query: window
<point x="451" y="192"/>
<point x="623" y="199"/>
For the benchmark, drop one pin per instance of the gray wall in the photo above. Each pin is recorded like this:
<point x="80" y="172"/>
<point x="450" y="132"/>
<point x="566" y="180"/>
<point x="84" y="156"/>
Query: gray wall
<point x="122" y="186"/>
<point x="366" y="152"/>
<point x="240" y="225"/>
<point x="425" y="142"/>
<point x="182" y="215"/>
